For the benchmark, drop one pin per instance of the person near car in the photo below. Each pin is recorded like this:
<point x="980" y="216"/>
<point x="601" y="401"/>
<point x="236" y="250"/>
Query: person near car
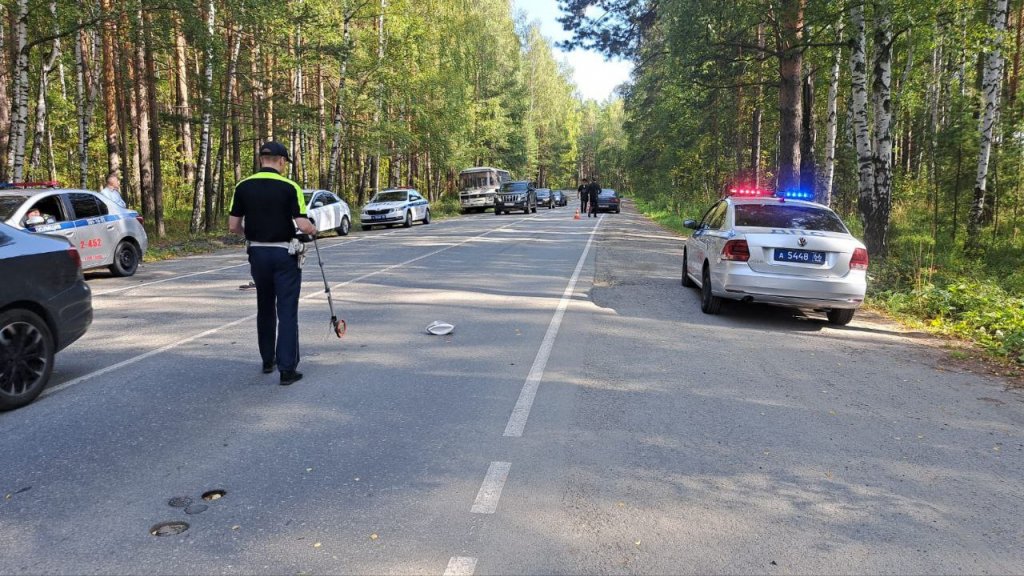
<point x="266" y="208"/>
<point x="112" y="190"/>
<point x="593" y="191"/>
<point x="582" y="193"/>
<point x="35" y="213"/>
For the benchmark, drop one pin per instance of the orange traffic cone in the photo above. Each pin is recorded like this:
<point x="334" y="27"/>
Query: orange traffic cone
<point x="577" y="216"/>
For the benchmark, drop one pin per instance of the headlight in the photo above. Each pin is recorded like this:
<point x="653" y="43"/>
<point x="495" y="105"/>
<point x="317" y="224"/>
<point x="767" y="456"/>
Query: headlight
<point x="398" y="211"/>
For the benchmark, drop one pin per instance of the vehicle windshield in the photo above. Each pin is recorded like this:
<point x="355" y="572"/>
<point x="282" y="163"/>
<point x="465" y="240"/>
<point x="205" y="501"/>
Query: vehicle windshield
<point x="477" y="180"/>
<point x="788" y="216"/>
<point x="10" y="204"/>
<point x="390" y="197"/>
<point x="543" y="192"/>
<point x="514" y="187"/>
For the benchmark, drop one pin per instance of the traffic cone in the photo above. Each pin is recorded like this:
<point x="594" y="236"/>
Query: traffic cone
<point x="577" y="216"/>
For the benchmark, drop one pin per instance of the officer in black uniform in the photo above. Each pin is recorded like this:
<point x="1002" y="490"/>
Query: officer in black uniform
<point x="273" y="206"/>
<point x="593" y="191"/>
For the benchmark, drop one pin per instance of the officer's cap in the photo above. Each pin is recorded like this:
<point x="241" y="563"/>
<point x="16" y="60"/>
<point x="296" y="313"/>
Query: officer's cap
<point x="274" y="149"/>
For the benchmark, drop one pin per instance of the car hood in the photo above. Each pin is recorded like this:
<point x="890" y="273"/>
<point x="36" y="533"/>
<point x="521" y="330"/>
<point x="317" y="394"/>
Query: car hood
<point x="385" y="205"/>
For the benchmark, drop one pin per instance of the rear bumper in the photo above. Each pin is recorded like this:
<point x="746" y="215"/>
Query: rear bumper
<point x="736" y="281"/>
<point x="72" y="313"/>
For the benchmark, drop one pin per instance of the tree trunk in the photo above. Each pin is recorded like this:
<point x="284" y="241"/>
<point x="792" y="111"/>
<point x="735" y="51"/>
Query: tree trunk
<point x="790" y="35"/>
<point x="876" y="207"/>
<point x="183" y="109"/>
<point x="831" y="127"/>
<point x="861" y="129"/>
<point x="19" y="127"/>
<point x="5" y="101"/>
<point x="84" y="103"/>
<point x="234" y="45"/>
<point x="339" y="111"/>
<point x="990" y="85"/>
<point x="198" y="199"/>
<point x="154" y="125"/>
<point x="110" y="91"/>
<point x="755" y="137"/>
<point x="142" y="115"/>
<point x="41" y="99"/>
<point x="808" y="138"/>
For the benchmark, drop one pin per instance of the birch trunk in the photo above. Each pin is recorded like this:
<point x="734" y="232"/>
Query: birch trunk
<point x="831" y="127"/>
<point x="109" y="84"/>
<point x="41" y="99"/>
<point x="5" y="102"/>
<point x="19" y="126"/>
<point x="879" y="204"/>
<point x="83" y="105"/>
<point x="184" y="106"/>
<point x="859" y="113"/>
<point x="990" y="89"/>
<point x="198" y="199"/>
<point x="234" y="46"/>
<point x="339" y="112"/>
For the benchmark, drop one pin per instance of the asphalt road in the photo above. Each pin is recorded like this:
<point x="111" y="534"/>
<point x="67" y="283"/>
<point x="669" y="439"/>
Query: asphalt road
<point x="583" y="418"/>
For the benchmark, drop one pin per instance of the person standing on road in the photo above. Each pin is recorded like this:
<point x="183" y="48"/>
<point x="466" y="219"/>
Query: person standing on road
<point x="272" y="207"/>
<point x="582" y="193"/>
<point x="112" y="190"/>
<point x="593" y="191"/>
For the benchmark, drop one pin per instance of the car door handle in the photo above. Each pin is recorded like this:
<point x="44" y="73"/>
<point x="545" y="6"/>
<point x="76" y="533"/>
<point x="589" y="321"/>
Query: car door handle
<point x="110" y="227"/>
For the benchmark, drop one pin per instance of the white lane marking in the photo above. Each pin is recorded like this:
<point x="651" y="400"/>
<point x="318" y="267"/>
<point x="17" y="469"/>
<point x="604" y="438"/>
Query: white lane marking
<point x="517" y="421"/>
<point x="460" y="566"/>
<point x="172" y="345"/>
<point x="490" y="491"/>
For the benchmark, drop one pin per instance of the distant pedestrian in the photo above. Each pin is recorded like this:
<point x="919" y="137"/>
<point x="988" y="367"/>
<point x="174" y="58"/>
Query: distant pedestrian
<point x="272" y="207"/>
<point x="582" y="193"/>
<point x="593" y="191"/>
<point x="112" y="190"/>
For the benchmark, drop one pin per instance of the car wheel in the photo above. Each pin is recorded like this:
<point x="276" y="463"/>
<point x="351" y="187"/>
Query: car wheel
<point x="126" y="259"/>
<point x="840" y="316"/>
<point x="345" y="227"/>
<point x="709" y="303"/>
<point x="408" y="219"/>
<point x="618" y="210"/>
<point x="497" y="212"/>
<point x="426" y="218"/>
<point x="687" y="282"/>
<point x="26" y="357"/>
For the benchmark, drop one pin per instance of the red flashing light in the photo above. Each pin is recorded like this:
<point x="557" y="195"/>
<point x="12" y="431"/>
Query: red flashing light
<point x="749" y="191"/>
<point x="736" y="250"/>
<point x="42" y="184"/>
<point x="859" y="261"/>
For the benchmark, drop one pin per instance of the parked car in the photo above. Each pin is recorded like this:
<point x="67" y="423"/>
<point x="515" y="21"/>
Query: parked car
<point x="328" y="211"/>
<point x="761" y="248"/>
<point x="608" y="201"/>
<point x="516" y="195"/>
<point x="104" y="233"/>
<point x="45" y="305"/>
<point x="561" y="197"/>
<point x="545" y="198"/>
<point x="396" y="206"/>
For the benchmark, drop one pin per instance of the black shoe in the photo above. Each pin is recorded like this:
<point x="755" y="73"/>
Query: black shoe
<point x="268" y="367"/>
<point x="290" y="377"/>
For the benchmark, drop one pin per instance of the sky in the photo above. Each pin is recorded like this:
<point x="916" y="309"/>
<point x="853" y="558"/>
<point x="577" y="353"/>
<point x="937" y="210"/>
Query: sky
<point x="595" y="77"/>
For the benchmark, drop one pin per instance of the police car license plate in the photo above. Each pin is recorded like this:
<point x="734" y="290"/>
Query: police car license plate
<point x="805" y="256"/>
<point x="378" y="217"/>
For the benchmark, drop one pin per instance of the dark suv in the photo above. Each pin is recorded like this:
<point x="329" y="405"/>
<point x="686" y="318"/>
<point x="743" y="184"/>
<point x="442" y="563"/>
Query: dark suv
<point x="45" y="305"/>
<point x="519" y="195"/>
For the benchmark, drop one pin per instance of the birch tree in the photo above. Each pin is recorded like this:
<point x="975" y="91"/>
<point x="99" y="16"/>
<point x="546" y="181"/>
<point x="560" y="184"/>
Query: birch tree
<point x="19" y="125"/>
<point x="198" y="198"/>
<point x="859" y="112"/>
<point x="831" y="125"/>
<point x="41" y="96"/>
<point x="878" y="206"/>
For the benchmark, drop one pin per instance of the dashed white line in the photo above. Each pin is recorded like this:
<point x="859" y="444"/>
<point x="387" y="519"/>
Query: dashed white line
<point x="521" y="412"/>
<point x="490" y="491"/>
<point x="460" y="566"/>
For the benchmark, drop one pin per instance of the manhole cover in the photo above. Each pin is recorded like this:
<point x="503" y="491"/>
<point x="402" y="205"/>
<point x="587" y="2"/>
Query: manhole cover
<point x="213" y="495"/>
<point x="179" y="502"/>
<point x="168" y="528"/>
<point x="196" y="509"/>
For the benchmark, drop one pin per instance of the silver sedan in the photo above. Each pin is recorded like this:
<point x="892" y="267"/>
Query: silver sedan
<point x="328" y="211"/>
<point x="777" y="251"/>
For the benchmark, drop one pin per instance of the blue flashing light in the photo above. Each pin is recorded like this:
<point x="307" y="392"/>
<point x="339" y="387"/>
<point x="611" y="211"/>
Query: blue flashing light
<point x="797" y="195"/>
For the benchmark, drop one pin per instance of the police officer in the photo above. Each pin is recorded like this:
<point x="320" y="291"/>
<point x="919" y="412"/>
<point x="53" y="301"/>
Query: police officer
<point x="583" y="194"/>
<point x="593" y="191"/>
<point x="273" y="206"/>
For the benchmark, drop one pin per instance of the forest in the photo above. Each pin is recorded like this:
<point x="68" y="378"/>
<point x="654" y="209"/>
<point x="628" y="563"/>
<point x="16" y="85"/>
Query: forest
<point x="175" y="96"/>
<point x="904" y="115"/>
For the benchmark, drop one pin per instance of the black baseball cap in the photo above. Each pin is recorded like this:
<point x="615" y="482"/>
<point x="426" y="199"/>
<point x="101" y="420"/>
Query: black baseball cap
<point x="274" y="149"/>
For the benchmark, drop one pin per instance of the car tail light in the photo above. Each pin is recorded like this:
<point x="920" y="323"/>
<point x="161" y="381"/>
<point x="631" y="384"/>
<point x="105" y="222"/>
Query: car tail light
<point x="75" y="256"/>
<point x="736" y="250"/>
<point x="859" y="261"/>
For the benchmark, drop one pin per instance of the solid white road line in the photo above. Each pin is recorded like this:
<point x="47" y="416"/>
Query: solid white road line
<point x="517" y="421"/>
<point x="175" y="344"/>
<point x="460" y="566"/>
<point x="490" y="491"/>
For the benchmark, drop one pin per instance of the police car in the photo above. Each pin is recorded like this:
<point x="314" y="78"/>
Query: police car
<point x="105" y="234"/>
<point x="755" y="246"/>
<point x="395" y="206"/>
<point x="328" y="211"/>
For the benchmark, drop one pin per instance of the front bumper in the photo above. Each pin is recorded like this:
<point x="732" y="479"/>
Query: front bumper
<point x="736" y="281"/>
<point x="476" y="201"/>
<point x="369" y="220"/>
<point x="515" y="206"/>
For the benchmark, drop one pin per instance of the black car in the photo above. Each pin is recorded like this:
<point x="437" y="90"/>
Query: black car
<point x="608" y="201"/>
<point x="45" y="305"/>
<point x="518" y="195"/>
<point x="561" y="197"/>
<point x="545" y="197"/>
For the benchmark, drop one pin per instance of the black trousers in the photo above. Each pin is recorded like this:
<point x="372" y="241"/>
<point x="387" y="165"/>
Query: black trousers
<point x="593" y="207"/>
<point x="278" y="280"/>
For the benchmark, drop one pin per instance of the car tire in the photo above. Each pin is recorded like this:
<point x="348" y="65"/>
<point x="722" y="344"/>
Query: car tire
<point x="497" y="212"/>
<point x="26" y="359"/>
<point x="426" y="218"/>
<point x="365" y="227"/>
<point x="345" y="228"/>
<point x="840" y="316"/>
<point x="709" y="303"/>
<point x="686" y="281"/>
<point x="408" y="219"/>
<point x="618" y="210"/>
<point x="126" y="259"/>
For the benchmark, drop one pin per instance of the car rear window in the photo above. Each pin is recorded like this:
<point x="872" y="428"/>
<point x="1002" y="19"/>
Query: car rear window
<point x="514" y="187"/>
<point x="10" y="204"/>
<point x="788" y="216"/>
<point x="607" y="192"/>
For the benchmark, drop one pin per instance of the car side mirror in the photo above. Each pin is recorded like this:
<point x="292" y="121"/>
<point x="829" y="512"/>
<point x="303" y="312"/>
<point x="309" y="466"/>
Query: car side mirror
<point x="691" y="224"/>
<point x="35" y="221"/>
